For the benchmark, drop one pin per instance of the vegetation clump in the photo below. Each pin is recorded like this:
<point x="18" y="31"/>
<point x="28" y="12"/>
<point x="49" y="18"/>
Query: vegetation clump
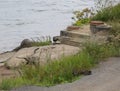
<point x="82" y="17"/>
<point x="108" y="14"/>
<point x="42" y="41"/>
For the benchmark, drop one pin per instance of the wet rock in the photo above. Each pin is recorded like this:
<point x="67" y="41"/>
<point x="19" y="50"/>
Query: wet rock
<point x="86" y="72"/>
<point x="25" y="43"/>
<point x="56" y="39"/>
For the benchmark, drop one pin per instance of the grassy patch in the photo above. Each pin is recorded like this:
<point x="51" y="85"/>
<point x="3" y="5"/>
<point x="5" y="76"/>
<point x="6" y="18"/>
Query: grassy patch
<point x="66" y="69"/>
<point x="57" y="71"/>
<point x="82" y="17"/>
<point x="115" y="27"/>
<point x="7" y="84"/>
<point x="108" y="14"/>
<point x="42" y="41"/>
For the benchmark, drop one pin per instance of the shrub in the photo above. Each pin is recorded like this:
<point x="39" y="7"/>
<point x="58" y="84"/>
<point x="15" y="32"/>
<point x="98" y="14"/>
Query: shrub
<point x="82" y="17"/>
<point x="108" y="13"/>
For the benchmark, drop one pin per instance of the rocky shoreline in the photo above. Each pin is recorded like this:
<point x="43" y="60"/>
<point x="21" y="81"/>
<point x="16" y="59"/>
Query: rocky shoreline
<point x="10" y="60"/>
<point x="68" y="43"/>
<point x="15" y="58"/>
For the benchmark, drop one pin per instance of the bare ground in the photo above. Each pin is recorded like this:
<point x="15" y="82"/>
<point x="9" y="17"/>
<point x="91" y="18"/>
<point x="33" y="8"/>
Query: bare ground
<point x="105" y="77"/>
<point x="7" y="73"/>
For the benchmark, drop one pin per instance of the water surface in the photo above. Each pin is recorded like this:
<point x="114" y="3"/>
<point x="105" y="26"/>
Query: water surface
<point x="20" y="19"/>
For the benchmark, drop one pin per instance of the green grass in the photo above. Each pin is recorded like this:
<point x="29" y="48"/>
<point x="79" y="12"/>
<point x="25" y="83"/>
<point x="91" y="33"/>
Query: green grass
<point x="58" y="71"/>
<point x="7" y="84"/>
<point x="115" y="27"/>
<point x="61" y="70"/>
<point x="108" y="14"/>
<point x="42" y="41"/>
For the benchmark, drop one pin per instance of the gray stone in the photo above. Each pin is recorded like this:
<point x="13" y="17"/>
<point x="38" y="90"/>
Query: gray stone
<point x="25" y="43"/>
<point x="98" y="28"/>
<point x="42" y="54"/>
<point x="56" y="39"/>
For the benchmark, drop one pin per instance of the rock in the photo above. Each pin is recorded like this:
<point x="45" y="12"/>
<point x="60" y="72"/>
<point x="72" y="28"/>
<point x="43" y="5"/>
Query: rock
<point x="4" y="57"/>
<point x="70" y="28"/>
<point x="99" y="27"/>
<point x="19" y="56"/>
<point x="56" y="39"/>
<point x="42" y="54"/>
<point x="25" y="43"/>
<point x="86" y="72"/>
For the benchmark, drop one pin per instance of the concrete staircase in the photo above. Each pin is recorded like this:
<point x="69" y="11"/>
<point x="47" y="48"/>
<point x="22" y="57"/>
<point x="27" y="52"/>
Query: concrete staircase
<point x="73" y="38"/>
<point x="78" y="37"/>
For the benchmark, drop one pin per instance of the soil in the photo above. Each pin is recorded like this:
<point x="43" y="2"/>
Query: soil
<point x="7" y="73"/>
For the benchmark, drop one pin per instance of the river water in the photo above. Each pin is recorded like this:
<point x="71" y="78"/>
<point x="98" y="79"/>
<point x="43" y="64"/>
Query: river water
<point x="20" y="19"/>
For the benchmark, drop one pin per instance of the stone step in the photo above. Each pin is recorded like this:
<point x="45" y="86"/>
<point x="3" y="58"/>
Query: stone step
<point x="72" y="41"/>
<point x="74" y="34"/>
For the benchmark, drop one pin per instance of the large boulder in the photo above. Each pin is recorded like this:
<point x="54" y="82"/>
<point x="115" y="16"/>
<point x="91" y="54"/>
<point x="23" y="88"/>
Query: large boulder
<point x="41" y="54"/>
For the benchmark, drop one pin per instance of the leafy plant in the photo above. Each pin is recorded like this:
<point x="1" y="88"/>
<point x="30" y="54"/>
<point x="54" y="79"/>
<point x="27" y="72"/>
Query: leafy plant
<point x="82" y="17"/>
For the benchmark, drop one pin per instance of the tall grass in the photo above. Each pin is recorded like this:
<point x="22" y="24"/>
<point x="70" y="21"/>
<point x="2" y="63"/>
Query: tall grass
<point x="41" y="41"/>
<point x="7" y="84"/>
<point x="115" y="27"/>
<point x="57" y="71"/>
<point x="99" y="52"/>
<point x="108" y="13"/>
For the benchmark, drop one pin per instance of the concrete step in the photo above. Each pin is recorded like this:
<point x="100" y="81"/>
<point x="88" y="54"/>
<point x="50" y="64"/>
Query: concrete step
<point x="72" y="41"/>
<point x="74" y="34"/>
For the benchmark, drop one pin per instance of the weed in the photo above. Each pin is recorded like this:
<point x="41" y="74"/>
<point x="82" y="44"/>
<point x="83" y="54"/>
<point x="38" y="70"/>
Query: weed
<point x="8" y="84"/>
<point x="108" y="13"/>
<point x="42" y="41"/>
<point x="82" y="17"/>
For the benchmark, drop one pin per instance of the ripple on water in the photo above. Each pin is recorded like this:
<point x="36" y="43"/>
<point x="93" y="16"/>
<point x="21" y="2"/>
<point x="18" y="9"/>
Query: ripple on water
<point x="21" y="19"/>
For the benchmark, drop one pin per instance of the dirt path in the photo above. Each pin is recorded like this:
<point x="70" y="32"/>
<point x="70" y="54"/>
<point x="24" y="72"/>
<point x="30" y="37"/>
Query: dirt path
<point x="106" y="77"/>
